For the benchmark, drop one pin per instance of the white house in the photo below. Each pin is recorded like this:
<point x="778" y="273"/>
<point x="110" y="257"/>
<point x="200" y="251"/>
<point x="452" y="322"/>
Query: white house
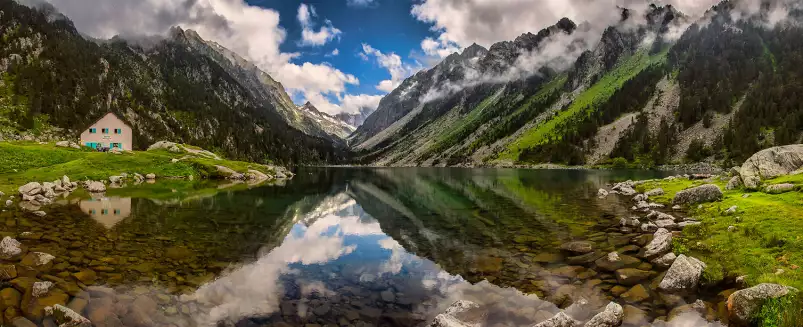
<point x="108" y="132"/>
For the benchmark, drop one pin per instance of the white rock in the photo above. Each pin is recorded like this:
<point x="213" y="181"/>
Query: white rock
<point x="649" y="227"/>
<point x="629" y="222"/>
<point x="10" y="248"/>
<point x="559" y="320"/>
<point x="683" y="275"/>
<point x="66" y="317"/>
<point x="602" y="193"/>
<point x="96" y="187"/>
<point x="666" y="223"/>
<point x="744" y="304"/>
<point x="9" y="203"/>
<point x="150" y="176"/>
<point x="40" y="213"/>
<point x="731" y="210"/>
<point x="41" y="288"/>
<point x="31" y="188"/>
<point x="660" y="244"/>
<point x="665" y="261"/>
<point x="611" y="317"/>
<point x="655" y="192"/>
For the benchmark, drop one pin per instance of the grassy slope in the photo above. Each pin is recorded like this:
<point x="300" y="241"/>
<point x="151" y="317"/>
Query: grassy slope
<point x="24" y="162"/>
<point x="768" y="235"/>
<point x="600" y="91"/>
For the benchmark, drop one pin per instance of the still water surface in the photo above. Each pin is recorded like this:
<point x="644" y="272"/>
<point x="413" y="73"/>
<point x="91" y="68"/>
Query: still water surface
<point x="340" y="246"/>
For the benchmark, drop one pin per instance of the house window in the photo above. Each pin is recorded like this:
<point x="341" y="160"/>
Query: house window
<point x="105" y="131"/>
<point x="104" y="212"/>
<point x="116" y="212"/>
<point x="93" y="131"/>
<point x="92" y="212"/>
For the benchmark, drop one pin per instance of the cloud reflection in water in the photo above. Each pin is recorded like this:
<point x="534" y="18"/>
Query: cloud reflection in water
<point x="335" y="249"/>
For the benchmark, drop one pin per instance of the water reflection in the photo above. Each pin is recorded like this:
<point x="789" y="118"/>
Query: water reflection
<point x="337" y="263"/>
<point x="108" y="211"/>
<point x="388" y="247"/>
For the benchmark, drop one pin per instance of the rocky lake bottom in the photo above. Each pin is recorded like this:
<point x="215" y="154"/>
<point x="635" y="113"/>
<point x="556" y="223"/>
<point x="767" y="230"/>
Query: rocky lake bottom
<point x="343" y="247"/>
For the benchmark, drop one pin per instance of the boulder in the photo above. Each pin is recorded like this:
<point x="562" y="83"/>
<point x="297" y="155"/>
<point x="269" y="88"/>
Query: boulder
<point x="116" y="179"/>
<point x="779" y="188"/>
<point x="614" y="261"/>
<point x="150" y="176"/>
<point x="256" y="175"/>
<point x="665" y="261"/>
<point x="666" y="223"/>
<point x="66" y="317"/>
<point x="734" y="183"/>
<point x="699" y="194"/>
<point x="654" y="192"/>
<point x="580" y="247"/>
<point x="38" y="260"/>
<point x="602" y="193"/>
<point x="629" y="222"/>
<point x="65" y="182"/>
<point x="632" y="276"/>
<point x="771" y="163"/>
<point x="649" y="227"/>
<point x="660" y="244"/>
<point x="683" y="275"/>
<point x="640" y="198"/>
<point x="559" y="320"/>
<point x="32" y="188"/>
<point x="610" y="317"/>
<point x="22" y="322"/>
<point x="168" y="146"/>
<point x="744" y="304"/>
<point x="461" y="314"/>
<point x="40" y="296"/>
<point x="96" y="187"/>
<point x="39" y="213"/>
<point x="10" y="249"/>
<point x="637" y="293"/>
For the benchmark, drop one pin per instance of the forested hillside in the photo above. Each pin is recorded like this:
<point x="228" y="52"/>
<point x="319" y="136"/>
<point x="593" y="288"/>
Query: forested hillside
<point x="55" y="82"/>
<point x="724" y="88"/>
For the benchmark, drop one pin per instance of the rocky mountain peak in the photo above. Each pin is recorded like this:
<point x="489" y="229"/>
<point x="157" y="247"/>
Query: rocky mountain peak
<point x="474" y="51"/>
<point x="310" y="107"/>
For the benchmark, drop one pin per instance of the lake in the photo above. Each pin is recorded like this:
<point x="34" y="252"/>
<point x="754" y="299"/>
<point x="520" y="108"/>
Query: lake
<point x="338" y="246"/>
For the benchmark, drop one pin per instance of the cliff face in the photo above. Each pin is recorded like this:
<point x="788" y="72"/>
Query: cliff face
<point x="181" y="89"/>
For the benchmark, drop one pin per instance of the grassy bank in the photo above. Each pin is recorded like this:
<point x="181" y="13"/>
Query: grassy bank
<point x="766" y="244"/>
<point x="23" y="162"/>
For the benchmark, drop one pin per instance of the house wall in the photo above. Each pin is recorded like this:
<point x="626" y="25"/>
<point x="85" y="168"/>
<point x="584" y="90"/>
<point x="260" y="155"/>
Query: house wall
<point x="110" y="122"/>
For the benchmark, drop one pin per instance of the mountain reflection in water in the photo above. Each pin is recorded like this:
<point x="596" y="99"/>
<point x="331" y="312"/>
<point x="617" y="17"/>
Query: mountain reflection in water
<point x="363" y="247"/>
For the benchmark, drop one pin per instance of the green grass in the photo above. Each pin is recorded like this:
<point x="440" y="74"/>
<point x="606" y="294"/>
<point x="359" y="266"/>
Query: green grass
<point x="768" y="235"/>
<point x="584" y="103"/>
<point x="24" y="162"/>
<point x="781" y="312"/>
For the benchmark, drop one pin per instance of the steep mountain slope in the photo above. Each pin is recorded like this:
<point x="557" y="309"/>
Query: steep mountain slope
<point x="264" y="88"/>
<point x="657" y="88"/>
<point x="55" y="83"/>
<point x="331" y="125"/>
<point x="482" y="106"/>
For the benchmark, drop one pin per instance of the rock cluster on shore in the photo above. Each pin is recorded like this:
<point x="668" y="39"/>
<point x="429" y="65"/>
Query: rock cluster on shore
<point x="667" y="278"/>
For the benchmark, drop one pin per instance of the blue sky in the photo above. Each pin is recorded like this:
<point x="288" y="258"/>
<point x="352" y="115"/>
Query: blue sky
<point x="387" y="26"/>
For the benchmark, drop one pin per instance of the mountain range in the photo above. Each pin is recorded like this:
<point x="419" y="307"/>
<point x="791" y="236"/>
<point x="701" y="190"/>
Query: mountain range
<point x="656" y="87"/>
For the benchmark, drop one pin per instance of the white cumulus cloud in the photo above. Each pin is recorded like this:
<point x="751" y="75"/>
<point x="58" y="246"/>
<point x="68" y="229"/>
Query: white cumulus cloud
<point x="394" y="65"/>
<point x="309" y="36"/>
<point x="361" y="3"/>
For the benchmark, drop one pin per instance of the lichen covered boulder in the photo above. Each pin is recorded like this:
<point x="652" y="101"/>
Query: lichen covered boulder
<point x="699" y="194"/>
<point x="683" y="275"/>
<point x="771" y="163"/>
<point x="743" y="304"/>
